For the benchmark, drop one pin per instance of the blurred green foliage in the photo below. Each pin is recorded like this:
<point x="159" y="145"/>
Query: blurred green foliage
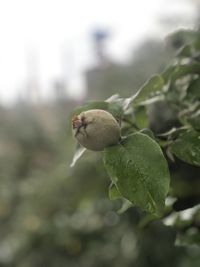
<point x="51" y="215"/>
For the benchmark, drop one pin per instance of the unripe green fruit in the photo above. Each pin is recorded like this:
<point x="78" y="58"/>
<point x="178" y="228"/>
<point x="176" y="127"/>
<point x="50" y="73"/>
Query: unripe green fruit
<point x="96" y="129"/>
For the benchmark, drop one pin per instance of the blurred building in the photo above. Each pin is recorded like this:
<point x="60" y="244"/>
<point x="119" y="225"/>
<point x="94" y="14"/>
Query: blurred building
<point x="60" y="90"/>
<point x="109" y="77"/>
<point x="32" y="92"/>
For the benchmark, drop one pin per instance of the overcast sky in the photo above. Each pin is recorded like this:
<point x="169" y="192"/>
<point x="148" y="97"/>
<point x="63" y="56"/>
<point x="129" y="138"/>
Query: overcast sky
<point x="55" y="36"/>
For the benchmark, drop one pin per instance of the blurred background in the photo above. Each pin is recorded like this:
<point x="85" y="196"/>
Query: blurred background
<point x="54" y="56"/>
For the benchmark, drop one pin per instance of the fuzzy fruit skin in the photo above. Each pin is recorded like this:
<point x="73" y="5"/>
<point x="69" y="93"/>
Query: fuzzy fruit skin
<point x="99" y="129"/>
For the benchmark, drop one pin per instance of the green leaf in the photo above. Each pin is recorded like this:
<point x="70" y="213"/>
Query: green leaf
<point x="194" y="120"/>
<point x="140" y="171"/>
<point x="185" y="51"/>
<point x="148" y="218"/>
<point x="154" y="84"/>
<point x="174" y="132"/>
<point x="91" y="105"/>
<point x="187" y="147"/>
<point x="175" y="72"/>
<point x="148" y="132"/>
<point x="141" y="118"/>
<point x="78" y="153"/>
<point x="183" y="37"/>
<point x="188" y="238"/>
<point x="193" y="91"/>
<point x="125" y="206"/>
<point x="190" y="50"/>
<point x="114" y="192"/>
<point x="115" y="108"/>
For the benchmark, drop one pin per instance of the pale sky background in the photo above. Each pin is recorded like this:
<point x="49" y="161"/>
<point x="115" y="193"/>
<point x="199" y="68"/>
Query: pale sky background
<point x="51" y="32"/>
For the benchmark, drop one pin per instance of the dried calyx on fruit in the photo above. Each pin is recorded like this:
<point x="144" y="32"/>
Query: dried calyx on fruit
<point x="96" y="129"/>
